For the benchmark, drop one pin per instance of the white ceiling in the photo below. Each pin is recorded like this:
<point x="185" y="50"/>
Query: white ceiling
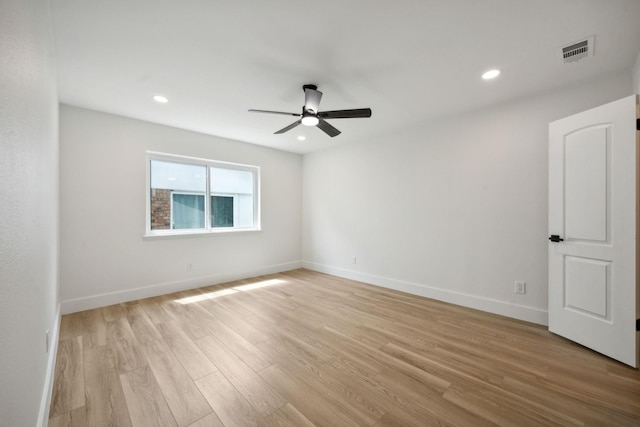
<point x="408" y="60"/>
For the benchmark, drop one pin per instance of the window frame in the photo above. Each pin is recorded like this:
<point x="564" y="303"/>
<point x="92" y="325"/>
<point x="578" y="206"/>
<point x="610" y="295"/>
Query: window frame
<point x="208" y="163"/>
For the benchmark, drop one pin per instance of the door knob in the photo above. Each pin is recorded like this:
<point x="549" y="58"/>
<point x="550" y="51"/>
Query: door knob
<point x="556" y="238"/>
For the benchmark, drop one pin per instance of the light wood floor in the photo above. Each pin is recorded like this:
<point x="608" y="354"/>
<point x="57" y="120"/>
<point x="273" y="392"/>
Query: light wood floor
<point x="303" y="348"/>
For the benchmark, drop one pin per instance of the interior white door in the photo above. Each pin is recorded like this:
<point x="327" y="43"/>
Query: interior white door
<point x="593" y="286"/>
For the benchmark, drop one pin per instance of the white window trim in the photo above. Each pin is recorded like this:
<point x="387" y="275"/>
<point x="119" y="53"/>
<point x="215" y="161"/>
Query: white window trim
<point x="153" y="155"/>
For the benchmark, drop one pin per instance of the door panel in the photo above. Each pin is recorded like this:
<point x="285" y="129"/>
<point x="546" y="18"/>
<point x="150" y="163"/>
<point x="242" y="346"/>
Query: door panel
<point x="592" y="207"/>
<point x="586" y="183"/>
<point x="587" y="286"/>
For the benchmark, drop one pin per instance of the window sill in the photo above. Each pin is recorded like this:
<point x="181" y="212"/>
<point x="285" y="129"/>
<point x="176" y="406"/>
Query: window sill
<point x="172" y="234"/>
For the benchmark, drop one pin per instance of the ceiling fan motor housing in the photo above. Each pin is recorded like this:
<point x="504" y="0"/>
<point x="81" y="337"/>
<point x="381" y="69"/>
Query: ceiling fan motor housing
<point x="311" y="116"/>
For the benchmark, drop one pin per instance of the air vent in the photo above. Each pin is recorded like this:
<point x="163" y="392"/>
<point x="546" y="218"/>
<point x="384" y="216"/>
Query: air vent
<point x="576" y="51"/>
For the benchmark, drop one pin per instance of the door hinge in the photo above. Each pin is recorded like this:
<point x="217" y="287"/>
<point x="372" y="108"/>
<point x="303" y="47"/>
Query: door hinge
<point x="637" y="124"/>
<point x="637" y="325"/>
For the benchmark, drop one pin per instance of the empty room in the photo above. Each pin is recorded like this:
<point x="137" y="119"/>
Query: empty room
<point x="295" y="213"/>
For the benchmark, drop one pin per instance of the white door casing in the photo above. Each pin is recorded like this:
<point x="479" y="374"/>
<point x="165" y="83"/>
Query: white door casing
<point x="592" y="208"/>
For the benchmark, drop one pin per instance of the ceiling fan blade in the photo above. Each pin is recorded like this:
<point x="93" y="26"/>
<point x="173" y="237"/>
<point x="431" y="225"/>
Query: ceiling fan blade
<point x="312" y="99"/>
<point x="275" y="112"/>
<point x="327" y="128"/>
<point x="288" y="128"/>
<point x="346" y="114"/>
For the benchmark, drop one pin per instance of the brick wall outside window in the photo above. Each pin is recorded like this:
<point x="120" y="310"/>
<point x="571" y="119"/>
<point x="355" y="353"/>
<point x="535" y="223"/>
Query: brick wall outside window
<point x="160" y="209"/>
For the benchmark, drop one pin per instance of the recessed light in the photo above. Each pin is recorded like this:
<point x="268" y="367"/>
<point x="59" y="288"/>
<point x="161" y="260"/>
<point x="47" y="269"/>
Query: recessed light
<point x="302" y="138"/>
<point x="491" y="74"/>
<point x="161" y="99"/>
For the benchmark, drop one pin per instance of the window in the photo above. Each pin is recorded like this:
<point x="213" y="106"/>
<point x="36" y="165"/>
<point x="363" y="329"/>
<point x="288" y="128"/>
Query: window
<point x="178" y="188"/>
<point x="187" y="211"/>
<point x="222" y="211"/>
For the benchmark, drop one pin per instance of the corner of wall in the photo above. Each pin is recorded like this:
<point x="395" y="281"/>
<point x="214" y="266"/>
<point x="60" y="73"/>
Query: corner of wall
<point x="502" y="308"/>
<point x="135" y="293"/>
<point x="636" y="75"/>
<point x="47" y="390"/>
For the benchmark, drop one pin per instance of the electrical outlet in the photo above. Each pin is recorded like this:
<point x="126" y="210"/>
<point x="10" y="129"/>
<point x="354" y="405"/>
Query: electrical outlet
<point x="353" y="259"/>
<point x="189" y="266"/>
<point x="46" y="341"/>
<point x="520" y="287"/>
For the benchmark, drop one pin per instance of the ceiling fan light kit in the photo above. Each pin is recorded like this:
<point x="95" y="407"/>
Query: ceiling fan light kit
<point x="311" y="116"/>
<point x="309" y="120"/>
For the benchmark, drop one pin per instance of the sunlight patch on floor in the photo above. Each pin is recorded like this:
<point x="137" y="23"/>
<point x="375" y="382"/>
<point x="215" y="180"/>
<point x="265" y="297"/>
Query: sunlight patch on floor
<point x="208" y="295"/>
<point x="229" y="291"/>
<point x="258" y="285"/>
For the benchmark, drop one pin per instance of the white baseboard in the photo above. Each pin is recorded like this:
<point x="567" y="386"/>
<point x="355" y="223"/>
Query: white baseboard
<point x="102" y="300"/>
<point x="45" y="402"/>
<point x="528" y="314"/>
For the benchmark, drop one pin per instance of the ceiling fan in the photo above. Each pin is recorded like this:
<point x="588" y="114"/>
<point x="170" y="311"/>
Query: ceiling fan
<point x="310" y="115"/>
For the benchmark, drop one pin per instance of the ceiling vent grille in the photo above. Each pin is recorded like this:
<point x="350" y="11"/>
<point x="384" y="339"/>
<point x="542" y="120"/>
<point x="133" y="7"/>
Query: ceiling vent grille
<point x="576" y="51"/>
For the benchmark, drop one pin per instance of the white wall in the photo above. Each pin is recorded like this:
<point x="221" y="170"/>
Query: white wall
<point x="29" y="213"/>
<point x="104" y="257"/>
<point x="636" y="75"/>
<point x="453" y="209"/>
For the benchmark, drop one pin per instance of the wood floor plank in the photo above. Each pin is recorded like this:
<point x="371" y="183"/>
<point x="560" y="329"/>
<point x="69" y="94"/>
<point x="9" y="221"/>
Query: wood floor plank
<point x="230" y="406"/>
<point x="186" y="351"/>
<point x="384" y="362"/>
<point x="232" y="320"/>
<point x="184" y="399"/>
<point x="128" y="353"/>
<point x="293" y="347"/>
<point x="142" y="327"/>
<point x="398" y="407"/>
<point x="261" y="395"/>
<point x="354" y="399"/>
<point x="502" y="411"/>
<point x="568" y="405"/>
<point x="154" y="311"/>
<point x="298" y="333"/>
<point x="68" y="390"/>
<point x="105" y="400"/>
<point x="288" y="416"/>
<point x="268" y="327"/>
<point x="246" y="351"/>
<point x="405" y="418"/>
<point x="440" y="368"/>
<point x="95" y="333"/>
<point x="321" y="409"/>
<point x="112" y="312"/>
<point x="191" y="318"/>
<point x="73" y="418"/>
<point x="594" y="388"/>
<point x="71" y="325"/>
<point x="241" y="309"/>
<point x="147" y="406"/>
<point x="210" y="420"/>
